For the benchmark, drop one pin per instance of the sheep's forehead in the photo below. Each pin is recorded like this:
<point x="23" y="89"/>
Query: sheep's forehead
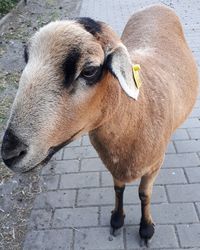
<point x="57" y="39"/>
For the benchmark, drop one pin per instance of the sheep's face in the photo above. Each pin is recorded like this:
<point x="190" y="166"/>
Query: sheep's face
<point x="69" y="86"/>
<point x="63" y="92"/>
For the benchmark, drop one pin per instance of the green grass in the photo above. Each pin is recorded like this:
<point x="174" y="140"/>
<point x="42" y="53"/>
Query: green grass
<point x="7" y="5"/>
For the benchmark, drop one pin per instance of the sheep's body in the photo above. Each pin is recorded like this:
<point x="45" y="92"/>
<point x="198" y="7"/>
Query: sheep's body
<point x="134" y="140"/>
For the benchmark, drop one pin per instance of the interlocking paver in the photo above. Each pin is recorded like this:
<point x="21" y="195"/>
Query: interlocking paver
<point x="48" y="240"/>
<point x="50" y="182"/>
<point x="164" y="237"/>
<point x="53" y="199"/>
<point x="93" y="164"/>
<point x="194" y="133"/>
<point x="187" y="146"/>
<point x="79" y="152"/>
<point x="181" y="160"/>
<point x="193" y="174"/>
<point x="40" y="219"/>
<point x="184" y="193"/>
<point x="189" y="235"/>
<point x="180" y="134"/>
<point x="79" y="180"/>
<point x="61" y="167"/>
<point x="75" y="217"/>
<point x="97" y="239"/>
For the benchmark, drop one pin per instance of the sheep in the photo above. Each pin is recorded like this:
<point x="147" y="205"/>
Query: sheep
<point x="80" y="78"/>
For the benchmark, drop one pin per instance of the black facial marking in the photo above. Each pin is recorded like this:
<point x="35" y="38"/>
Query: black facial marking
<point x="26" y="53"/>
<point x="90" y="25"/>
<point x="70" y="66"/>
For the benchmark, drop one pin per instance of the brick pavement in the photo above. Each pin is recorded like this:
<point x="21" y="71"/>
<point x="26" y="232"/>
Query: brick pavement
<point x="74" y="211"/>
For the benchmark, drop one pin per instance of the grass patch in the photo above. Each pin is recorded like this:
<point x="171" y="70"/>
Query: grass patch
<point x="7" y="5"/>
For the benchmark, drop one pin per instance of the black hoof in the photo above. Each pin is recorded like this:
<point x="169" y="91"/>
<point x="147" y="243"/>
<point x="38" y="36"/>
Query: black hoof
<point x="116" y="221"/>
<point x="146" y="231"/>
<point x="114" y="232"/>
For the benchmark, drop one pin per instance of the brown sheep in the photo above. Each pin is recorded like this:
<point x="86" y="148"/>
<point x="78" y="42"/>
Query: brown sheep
<point x="79" y="79"/>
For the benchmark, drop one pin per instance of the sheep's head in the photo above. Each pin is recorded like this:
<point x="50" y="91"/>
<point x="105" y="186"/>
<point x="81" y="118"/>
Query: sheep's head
<point x="69" y="86"/>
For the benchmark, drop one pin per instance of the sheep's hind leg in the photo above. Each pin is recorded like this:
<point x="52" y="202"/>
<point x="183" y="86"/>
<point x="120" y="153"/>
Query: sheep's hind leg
<point x="146" y="230"/>
<point x="117" y="217"/>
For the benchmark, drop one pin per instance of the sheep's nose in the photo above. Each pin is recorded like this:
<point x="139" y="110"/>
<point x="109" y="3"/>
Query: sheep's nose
<point x="12" y="149"/>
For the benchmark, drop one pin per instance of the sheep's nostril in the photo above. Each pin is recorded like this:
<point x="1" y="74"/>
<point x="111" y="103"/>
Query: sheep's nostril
<point x="12" y="149"/>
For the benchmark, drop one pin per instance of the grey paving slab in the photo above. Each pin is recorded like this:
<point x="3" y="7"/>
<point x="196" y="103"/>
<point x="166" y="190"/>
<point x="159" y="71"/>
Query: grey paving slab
<point x="181" y="160"/>
<point x="180" y="134"/>
<point x="79" y="180"/>
<point x="61" y="167"/>
<point x="79" y="152"/>
<point x="93" y="164"/>
<point x="40" y="219"/>
<point x="97" y="239"/>
<point x="48" y="240"/>
<point x="193" y="174"/>
<point x="164" y="237"/>
<point x="53" y="199"/>
<point x="50" y="182"/>
<point x="189" y="235"/>
<point x="194" y="133"/>
<point x="187" y="146"/>
<point x="75" y="217"/>
<point x="184" y="193"/>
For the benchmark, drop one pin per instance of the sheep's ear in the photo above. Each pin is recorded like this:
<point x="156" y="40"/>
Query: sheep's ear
<point x="119" y="64"/>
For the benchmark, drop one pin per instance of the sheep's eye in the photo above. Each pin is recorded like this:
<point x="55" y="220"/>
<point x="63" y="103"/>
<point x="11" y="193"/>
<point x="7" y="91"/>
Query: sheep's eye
<point x="89" y="72"/>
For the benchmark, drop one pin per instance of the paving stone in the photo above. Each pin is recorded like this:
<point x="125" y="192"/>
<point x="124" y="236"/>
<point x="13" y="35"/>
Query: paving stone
<point x="86" y="140"/>
<point x="54" y="199"/>
<point x="74" y="143"/>
<point x="174" y="213"/>
<point x="181" y="160"/>
<point x="191" y="123"/>
<point x="180" y="134"/>
<point x="61" y="167"/>
<point x="75" y="217"/>
<point x="170" y="148"/>
<point x="97" y="239"/>
<point x="59" y="155"/>
<point x="184" y="193"/>
<point x="40" y="219"/>
<point x="195" y="112"/>
<point x="107" y="180"/>
<point x="50" y="182"/>
<point x="105" y="196"/>
<point x="198" y="208"/>
<point x="79" y="180"/>
<point x="92" y="164"/>
<point x="187" y="146"/>
<point x="189" y="235"/>
<point x="48" y="240"/>
<point x="79" y="152"/>
<point x="194" y="133"/>
<point x="170" y="176"/>
<point x="164" y="237"/>
<point x="193" y="174"/>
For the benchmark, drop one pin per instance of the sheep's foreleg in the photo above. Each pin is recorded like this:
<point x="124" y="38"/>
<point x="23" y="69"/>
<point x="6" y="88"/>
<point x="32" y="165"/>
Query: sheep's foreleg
<point x="145" y="191"/>
<point x="117" y="217"/>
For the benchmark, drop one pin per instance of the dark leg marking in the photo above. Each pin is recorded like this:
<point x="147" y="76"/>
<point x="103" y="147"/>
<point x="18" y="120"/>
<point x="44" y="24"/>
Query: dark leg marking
<point x="117" y="217"/>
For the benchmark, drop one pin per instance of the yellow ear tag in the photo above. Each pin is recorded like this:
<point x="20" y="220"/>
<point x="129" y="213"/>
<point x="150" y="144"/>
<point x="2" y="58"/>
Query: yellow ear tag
<point x="136" y="69"/>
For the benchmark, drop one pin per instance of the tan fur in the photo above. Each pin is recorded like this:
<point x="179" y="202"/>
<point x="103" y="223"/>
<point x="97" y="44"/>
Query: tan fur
<point x="138" y="132"/>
